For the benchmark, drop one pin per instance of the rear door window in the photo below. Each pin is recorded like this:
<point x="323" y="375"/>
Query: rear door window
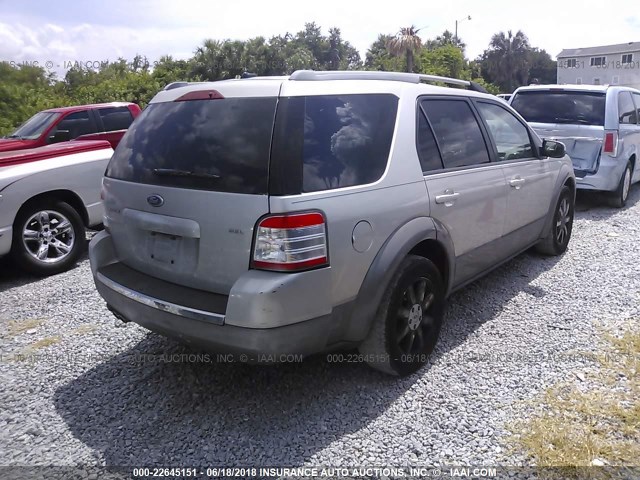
<point x="561" y="106"/>
<point x="428" y="152"/>
<point x="510" y="137"/>
<point x="457" y="132"/>
<point x="77" y="123"/>
<point x="326" y="142"/>
<point x="220" y="144"/>
<point x="115" y="118"/>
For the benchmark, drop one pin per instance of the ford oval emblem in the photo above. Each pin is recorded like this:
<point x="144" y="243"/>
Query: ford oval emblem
<point x="155" y="200"/>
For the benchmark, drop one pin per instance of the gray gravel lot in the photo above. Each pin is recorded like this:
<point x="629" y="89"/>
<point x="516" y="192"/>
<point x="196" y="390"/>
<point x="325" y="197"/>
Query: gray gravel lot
<point x="92" y="398"/>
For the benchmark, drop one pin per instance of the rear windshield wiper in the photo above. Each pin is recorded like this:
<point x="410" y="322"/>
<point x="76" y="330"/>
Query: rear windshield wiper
<point x="172" y="172"/>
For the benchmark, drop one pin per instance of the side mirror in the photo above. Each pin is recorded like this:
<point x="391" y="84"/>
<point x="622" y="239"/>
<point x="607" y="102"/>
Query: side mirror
<point x="553" y="149"/>
<point x="60" y="136"/>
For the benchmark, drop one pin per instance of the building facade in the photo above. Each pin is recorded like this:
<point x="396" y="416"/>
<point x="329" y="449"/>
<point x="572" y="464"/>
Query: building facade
<point x="606" y="65"/>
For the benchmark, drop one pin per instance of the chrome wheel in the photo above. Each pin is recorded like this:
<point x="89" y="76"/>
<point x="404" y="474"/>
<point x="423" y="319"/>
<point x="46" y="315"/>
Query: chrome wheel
<point x="48" y="236"/>
<point x="563" y="222"/>
<point x="626" y="184"/>
<point x="414" y="322"/>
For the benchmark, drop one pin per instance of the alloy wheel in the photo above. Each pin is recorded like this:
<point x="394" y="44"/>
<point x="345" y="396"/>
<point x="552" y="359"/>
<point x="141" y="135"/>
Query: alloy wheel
<point x="414" y="322"/>
<point x="563" y="221"/>
<point x="48" y="236"/>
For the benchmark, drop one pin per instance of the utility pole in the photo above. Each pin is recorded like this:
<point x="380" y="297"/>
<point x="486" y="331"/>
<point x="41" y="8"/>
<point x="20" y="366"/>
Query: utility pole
<point x="468" y="17"/>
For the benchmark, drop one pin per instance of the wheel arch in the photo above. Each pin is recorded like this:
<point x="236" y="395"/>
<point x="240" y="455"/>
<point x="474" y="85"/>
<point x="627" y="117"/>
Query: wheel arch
<point x="420" y="236"/>
<point x="66" y="196"/>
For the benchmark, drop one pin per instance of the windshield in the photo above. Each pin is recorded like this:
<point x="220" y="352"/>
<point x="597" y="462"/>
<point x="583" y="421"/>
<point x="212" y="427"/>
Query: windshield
<point x="33" y="128"/>
<point x="548" y="106"/>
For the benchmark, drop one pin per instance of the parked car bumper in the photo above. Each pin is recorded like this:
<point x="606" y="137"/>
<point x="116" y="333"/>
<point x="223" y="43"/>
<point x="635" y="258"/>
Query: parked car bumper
<point x="251" y="320"/>
<point x="606" y="178"/>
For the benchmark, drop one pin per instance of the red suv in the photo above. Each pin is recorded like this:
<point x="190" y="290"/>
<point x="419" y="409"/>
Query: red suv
<point x="104" y="121"/>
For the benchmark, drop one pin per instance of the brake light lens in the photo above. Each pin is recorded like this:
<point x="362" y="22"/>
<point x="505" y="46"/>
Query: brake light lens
<point x="289" y="243"/>
<point x="611" y="143"/>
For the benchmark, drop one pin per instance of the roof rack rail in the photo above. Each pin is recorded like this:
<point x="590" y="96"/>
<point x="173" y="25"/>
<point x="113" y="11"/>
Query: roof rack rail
<point x="312" y="75"/>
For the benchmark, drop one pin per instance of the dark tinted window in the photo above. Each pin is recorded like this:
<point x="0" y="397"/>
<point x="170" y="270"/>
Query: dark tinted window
<point x="582" y="108"/>
<point x="78" y="123"/>
<point x="636" y="98"/>
<point x="457" y="132"/>
<point x="220" y="145"/>
<point x="115" y="118"/>
<point x="509" y="135"/>
<point x="626" y="109"/>
<point x="331" y="141"/>
<point x="427" y="147"/>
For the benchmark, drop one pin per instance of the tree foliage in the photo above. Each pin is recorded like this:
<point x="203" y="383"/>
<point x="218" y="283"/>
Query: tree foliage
<point x="508" y="63"/>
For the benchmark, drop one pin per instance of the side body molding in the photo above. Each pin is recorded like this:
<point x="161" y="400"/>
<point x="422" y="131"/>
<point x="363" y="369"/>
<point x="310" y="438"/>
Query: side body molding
<point x="385" y="264"/>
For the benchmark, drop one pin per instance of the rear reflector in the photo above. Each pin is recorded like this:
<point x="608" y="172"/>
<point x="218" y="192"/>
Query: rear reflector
<point x="611" y="143"/>
<point x="289" y="243"/>
<point x="200" y="95"/>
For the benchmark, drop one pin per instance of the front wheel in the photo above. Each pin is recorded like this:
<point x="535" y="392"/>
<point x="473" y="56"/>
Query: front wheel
<point x="559" y="234"/>
<point x="407" y="324"/>
<point x="48" y="238"/>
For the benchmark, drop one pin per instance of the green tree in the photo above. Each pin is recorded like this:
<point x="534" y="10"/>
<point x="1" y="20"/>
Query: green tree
<point x="407" y="43"/>
<point x="543" y="69"/>
<point x="507" y="60"/>
<point x="380" y="58"/>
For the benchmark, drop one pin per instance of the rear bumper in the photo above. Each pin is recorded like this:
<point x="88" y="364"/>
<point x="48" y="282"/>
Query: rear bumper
<point x="261" y="316"/>
<point x="606" y="178"/>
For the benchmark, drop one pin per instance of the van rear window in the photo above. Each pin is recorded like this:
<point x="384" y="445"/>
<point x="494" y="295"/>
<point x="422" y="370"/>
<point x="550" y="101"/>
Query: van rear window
<point x="326" y="142"/>
<point x="561" y="106"/>
<point x="221" y="145"/>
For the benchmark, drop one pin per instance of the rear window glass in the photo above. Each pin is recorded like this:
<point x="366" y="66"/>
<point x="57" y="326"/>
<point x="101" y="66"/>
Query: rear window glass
<point x="220" y="145"/>
<point x="578" y="108"/>
<point x="331" y="141"/>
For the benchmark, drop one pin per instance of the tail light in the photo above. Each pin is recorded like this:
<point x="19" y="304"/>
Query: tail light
<point x="611" y="143"/>
<point x="290" y="243"/>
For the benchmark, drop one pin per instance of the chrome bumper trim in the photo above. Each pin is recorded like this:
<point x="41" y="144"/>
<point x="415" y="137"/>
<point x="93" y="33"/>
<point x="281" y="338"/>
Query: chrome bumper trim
<point x="179" y="310"/>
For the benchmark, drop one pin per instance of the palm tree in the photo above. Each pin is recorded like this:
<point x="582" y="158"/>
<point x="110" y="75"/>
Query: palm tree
<point x="406" y="43"/>
<point x="508" y="59"/>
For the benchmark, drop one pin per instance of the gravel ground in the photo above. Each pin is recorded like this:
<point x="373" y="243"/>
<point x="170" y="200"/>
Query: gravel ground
<point x="92" y="399"/>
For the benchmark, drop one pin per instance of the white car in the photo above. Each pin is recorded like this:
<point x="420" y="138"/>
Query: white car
<point x="48" y="196"/>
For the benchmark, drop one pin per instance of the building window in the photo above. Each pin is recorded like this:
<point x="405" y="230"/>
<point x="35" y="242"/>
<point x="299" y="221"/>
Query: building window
<point x="627" y="58"/>
<point x="578" y="81"/>
<point x="596" y="81"/>
<point x="572" y="63"/>
<point x="598" y="61"/>
<point x="615" y="80"/>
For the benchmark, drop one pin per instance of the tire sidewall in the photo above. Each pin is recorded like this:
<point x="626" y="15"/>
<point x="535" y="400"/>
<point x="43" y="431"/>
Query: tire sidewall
<point x="21" y="256"/>
<point x="562" y="247"/>
<point x="411" y="270"/>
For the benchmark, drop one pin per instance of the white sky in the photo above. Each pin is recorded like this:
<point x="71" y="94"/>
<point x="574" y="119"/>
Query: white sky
<point x="68" y="31"/>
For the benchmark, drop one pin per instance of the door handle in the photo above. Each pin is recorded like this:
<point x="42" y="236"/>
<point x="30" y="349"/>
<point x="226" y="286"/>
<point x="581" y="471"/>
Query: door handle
<point x="516" y="182"/>
<point x="448" y="197"/>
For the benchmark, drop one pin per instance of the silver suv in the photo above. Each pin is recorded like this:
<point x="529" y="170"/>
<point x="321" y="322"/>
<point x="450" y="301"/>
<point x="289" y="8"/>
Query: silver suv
<point x="325" y="210"/>
<point x="600" y="127"/>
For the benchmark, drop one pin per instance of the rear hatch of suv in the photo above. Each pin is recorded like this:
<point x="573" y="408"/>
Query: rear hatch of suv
<point x="574" y="117"/>
<point x="189" y="180"/>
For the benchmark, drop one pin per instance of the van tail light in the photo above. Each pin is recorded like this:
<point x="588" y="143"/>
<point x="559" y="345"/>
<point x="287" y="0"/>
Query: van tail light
<point x="291" y="242"/>
<point x="611" y="143"/>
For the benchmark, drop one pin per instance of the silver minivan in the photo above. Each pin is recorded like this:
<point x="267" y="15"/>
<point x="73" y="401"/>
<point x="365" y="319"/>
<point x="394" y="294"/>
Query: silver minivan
<point x="600" y="127"/>
<point x="273" y="216"/>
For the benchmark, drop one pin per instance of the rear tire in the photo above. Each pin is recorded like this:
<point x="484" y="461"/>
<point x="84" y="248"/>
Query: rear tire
<point x="621" y="194"/>
<point x="48" y="237"/>
<point x="408" y="321"/>
<point x="559" y="234"/>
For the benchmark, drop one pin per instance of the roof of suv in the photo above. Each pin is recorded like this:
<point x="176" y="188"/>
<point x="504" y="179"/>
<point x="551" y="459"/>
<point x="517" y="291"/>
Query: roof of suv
<point x="574" y="88"/>
<point x="307" y="82"/>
